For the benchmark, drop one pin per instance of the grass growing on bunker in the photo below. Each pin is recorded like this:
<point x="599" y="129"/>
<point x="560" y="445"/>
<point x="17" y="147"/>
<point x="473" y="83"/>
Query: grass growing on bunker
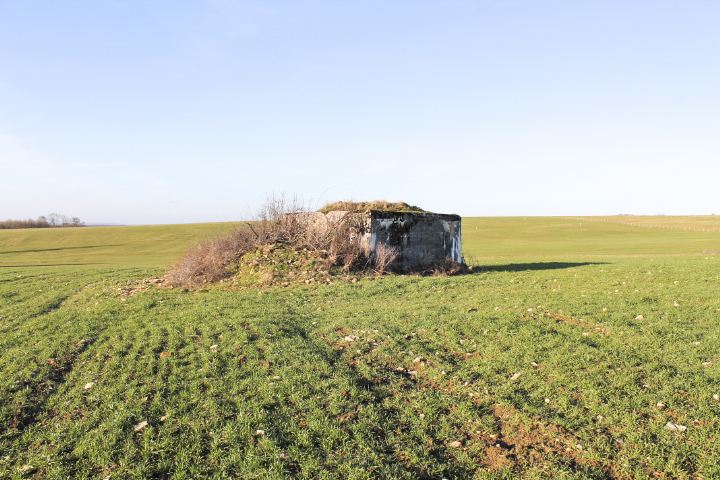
<point x="381" y="205"/>
<point x="568" y="367"/>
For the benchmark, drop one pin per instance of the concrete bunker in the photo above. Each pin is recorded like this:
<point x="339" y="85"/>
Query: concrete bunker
<point x="420" y="239"/>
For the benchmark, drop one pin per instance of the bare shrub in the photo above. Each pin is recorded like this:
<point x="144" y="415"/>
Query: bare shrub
<point x="346" y="251"/>
<point x="274" y="222"/>
<point x="384" y="257"/>
<point x="280" y="221"/>
<point x="208" y="261"/>
<point x="343" y="240"/>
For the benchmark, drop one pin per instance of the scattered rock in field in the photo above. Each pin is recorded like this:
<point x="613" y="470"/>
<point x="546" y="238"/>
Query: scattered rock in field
<point x="660" y="405"/>
<point x="422" y="415"/>
<point x="456" y="444"/>
<point x="89" y="385"/>
<point x="350" y="338"/>
<point x="604" y="309"/>
<point x="163" y="418"/>
<point x="213" y="347"/>
<point x="707" y="364"/>
<point x="675" y="427"/>
<point x="165" y="354"/>
<point x="276" y="377"/>
<point x="140" y="426"/>
<point x="640" y="317"/>
<point x="547" y="400"/>
<point x="516" y="376"/>
<point x="676" y="304"/>
<point x="413" y="372"/>
<point x="27" y="468"/>
<point x="534" y="364"/>
<point x="716" y="397"/>
<point x="259" y="432"/>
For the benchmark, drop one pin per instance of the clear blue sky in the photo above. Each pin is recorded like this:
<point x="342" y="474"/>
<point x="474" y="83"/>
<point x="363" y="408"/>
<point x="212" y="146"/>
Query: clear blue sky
<point x="179" y="111"/>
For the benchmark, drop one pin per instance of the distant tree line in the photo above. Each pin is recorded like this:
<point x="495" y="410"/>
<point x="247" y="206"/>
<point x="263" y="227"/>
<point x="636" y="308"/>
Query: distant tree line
<point x="54" y="220"/>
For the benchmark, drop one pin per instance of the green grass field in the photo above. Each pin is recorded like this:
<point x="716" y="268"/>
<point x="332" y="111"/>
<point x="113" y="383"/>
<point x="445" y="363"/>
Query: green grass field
<point x="567" y="356"/>
<point x="145" y="246"/>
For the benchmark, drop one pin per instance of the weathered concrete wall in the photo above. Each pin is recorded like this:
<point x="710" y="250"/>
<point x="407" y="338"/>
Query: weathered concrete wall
<point x="422" y="239"/>
<point x="354" y="224"/>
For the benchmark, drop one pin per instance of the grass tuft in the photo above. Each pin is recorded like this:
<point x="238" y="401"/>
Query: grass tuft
<point x="382" y="205"/>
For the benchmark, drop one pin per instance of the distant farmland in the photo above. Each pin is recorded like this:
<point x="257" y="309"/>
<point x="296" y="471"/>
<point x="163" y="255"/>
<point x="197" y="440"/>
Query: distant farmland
<point x="583" y="348"/>
<point x="484" y="239"/>
<point x="139" y="246"/>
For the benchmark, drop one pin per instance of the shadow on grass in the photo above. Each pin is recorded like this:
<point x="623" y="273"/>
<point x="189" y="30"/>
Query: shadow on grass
<point x="58" y="249"/>
<point x="521" y="267"/>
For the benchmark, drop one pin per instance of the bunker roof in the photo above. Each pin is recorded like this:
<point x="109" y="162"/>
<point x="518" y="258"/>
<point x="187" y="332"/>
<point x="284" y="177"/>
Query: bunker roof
<point x="377" y="205"/>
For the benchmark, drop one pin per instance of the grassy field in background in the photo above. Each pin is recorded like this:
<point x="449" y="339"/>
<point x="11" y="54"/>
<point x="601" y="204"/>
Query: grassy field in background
<point x="497" y="239"/>
<point x="145" y="246"/>
<point x="676" y="222"/>
<point x="485" y="239"/>
<point x="567" y="356"/>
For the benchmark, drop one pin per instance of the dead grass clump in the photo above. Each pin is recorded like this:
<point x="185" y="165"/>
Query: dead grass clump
<point x="383" y="257"/>
<point x="447" y="268"/>
<point x="342" y="240"/>
<point x="208" y="262"/>
<point x="382" y="205"/>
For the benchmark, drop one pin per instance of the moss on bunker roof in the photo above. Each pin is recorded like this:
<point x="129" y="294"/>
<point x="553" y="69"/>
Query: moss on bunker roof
<point x="380" y="205"/>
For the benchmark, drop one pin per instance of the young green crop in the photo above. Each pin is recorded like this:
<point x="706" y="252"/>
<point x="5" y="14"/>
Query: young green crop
<point x="546" y="366"/>
<point x="136" y="246"/>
